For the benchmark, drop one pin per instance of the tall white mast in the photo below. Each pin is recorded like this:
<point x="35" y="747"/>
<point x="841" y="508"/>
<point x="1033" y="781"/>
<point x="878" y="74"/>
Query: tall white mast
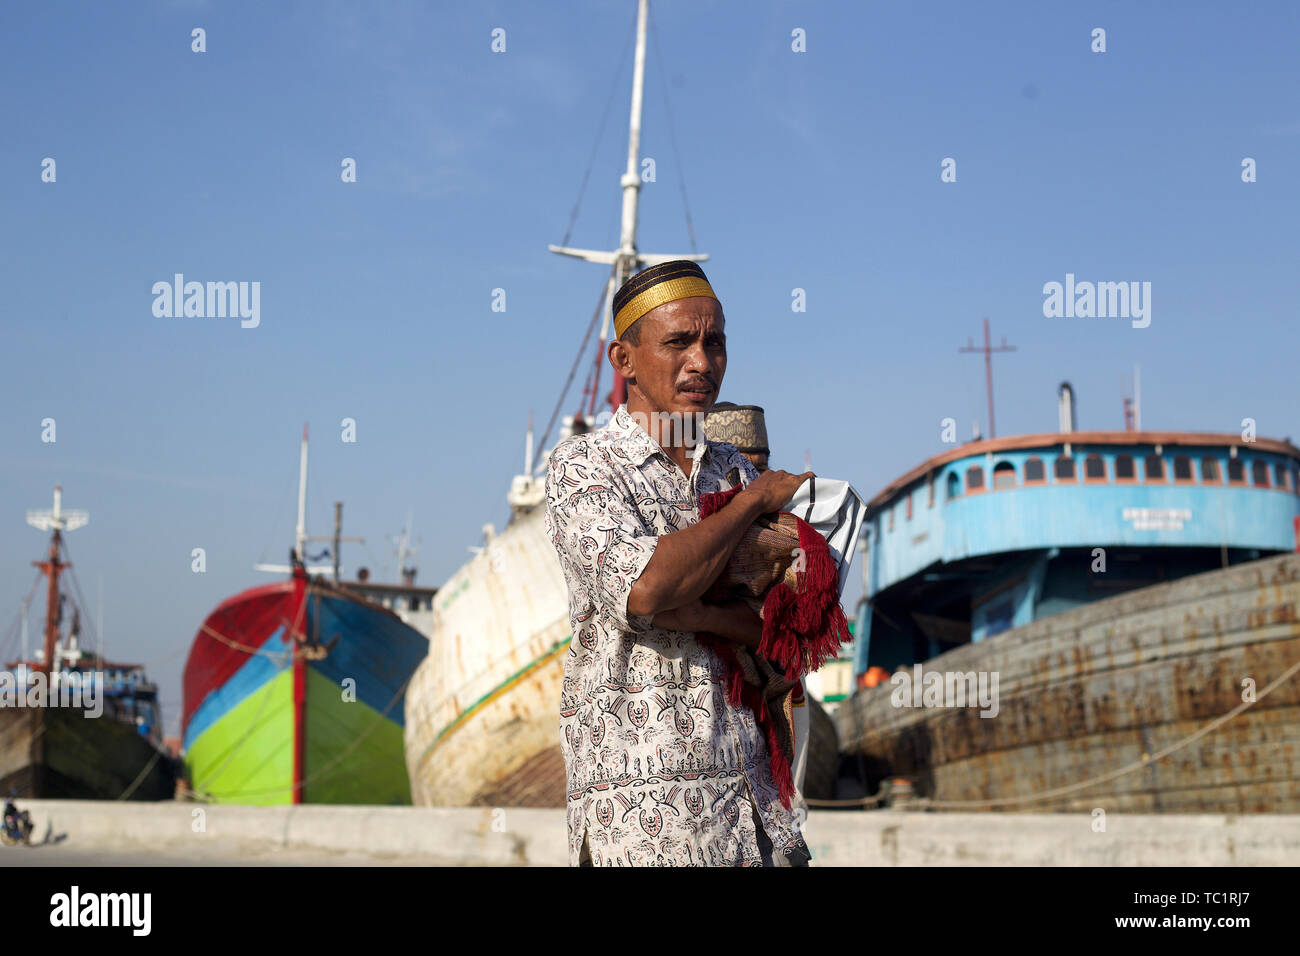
<point x="300" y="536"/>
<point x="631" y="181"/>
<point x="301" y="539"/>
<point x="626" y="260"/>
<point x="404" y="546"/>
<point x="528" y="446"/>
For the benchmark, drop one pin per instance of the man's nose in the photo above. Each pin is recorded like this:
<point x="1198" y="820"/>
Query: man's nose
<point x="697" y="358"/>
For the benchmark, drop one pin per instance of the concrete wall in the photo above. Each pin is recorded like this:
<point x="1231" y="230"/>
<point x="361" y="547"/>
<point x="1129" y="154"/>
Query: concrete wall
<point x="463" y="836"/>
<point x="888" y="838"/>
<point x="468" y="837"/>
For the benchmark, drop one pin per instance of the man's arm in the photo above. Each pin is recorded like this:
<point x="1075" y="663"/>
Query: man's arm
<point x="735" y="621"/>
<point x="685" y="563"/>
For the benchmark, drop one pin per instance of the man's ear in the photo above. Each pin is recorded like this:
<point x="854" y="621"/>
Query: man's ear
<point x="620" y="357"/>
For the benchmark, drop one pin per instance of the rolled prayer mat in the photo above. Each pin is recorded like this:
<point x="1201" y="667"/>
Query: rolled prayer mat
<point x="784" y="569"/>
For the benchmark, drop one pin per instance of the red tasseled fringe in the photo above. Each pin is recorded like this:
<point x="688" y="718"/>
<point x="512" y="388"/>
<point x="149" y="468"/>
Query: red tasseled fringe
<point x="801" y="631"/>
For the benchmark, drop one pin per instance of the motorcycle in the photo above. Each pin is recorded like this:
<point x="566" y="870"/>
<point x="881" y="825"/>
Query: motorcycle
<point x="17" y="826"/>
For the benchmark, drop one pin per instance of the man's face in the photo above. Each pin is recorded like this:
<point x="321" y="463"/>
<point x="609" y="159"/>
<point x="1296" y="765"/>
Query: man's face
<point x="682" y="356"/>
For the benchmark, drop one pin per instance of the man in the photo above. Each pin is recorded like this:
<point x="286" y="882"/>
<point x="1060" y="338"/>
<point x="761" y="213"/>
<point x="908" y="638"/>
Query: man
<point x="660" y="768"/>
<point x="742" y="426"/>
<point x="745" y="427"/>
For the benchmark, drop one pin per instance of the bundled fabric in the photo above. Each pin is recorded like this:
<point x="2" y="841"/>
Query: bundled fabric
<point x="784" y="570"/>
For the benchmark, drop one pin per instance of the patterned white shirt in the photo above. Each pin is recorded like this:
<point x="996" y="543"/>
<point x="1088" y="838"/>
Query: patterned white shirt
<point x="660" y="769"/>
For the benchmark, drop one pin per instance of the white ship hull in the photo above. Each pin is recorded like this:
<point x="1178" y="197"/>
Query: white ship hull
<point x="483" y="709"/>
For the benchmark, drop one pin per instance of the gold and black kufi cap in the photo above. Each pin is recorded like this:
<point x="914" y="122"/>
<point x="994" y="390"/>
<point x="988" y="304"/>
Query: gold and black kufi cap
<point x="650" y="288"/>
<point x="739" y="425"/>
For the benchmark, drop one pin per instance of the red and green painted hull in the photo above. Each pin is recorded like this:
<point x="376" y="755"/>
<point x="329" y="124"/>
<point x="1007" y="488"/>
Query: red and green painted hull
<point x="295" y="693"/>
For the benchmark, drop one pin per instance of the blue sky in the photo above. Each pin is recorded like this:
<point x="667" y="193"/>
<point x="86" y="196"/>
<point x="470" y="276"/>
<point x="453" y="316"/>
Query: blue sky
<point x="817" y="170"/>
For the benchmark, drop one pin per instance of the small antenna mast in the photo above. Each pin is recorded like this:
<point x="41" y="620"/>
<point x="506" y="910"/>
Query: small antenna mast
<point x="988" y="366"/>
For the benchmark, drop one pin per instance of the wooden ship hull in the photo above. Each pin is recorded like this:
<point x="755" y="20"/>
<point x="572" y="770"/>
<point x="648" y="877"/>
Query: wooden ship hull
<point x="483" y="711"/>
<point x="59" y="753"/>
<point x="1092" y="690"/>
<point x="74" y="725"/>
<point x="293" y="694"/>
<point x="823" y="764"/>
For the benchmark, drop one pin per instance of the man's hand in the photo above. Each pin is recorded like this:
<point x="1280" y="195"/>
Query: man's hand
<point x="735" y="622"/>
<point x="775" y="488"/>
<point x="685" y="563"/>
<point x="694" y="617"/>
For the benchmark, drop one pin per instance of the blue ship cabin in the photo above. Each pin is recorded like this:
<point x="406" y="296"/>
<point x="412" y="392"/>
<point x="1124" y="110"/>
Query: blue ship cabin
<point x="998" y="533"/>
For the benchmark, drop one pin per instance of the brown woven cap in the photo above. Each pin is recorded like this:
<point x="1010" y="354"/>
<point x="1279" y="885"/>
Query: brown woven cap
<point x="740" y="425"/>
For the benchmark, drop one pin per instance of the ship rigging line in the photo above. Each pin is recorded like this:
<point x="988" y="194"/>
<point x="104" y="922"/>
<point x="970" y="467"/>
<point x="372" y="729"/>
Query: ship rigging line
<point x="12" y="633"/>
<point x="266" y="689"/>
<point x="672" y="134"/>
<point x="143" y="773"/>
<point x="277" y="656"/>
<point x="1146" y="761"/>
<point x="591" y="327"/>
<point x="280" y="657"/>
<point x="595" y="146"/>
<point x="317" y="775"/>
<point x="82" y="602"/>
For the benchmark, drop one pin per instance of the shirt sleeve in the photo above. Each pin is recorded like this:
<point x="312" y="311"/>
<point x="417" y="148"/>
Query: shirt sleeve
<point x="735" y="460"/>
<point x="747" y="470"/>
<point x="602" y="545"/>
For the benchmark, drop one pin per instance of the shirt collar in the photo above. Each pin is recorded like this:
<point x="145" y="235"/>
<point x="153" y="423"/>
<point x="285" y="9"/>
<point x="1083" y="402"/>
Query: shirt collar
<point x="635" y="442"/>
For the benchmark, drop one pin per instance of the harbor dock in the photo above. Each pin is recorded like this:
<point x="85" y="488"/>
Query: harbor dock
<point x="118" y="833"/>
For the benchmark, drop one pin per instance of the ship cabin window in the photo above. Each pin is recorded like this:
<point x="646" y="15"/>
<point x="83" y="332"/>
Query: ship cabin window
<point x="954" y="485"/>
<point x="1155" y="468"/>
<point x="1236" y="472"/>
<point x="1281" y="477"/>
<point x="1259" y="473"/>
<point x="1182" y="468"/>
<point x="1063" y="469"/>
<point x="1004" y="475"/>
<point x="1094" y="469"/>
<point x="1295" y="480"/>
<point x="891" y="517"/>
<point x="1210" y="471"/>
<point x="909" y="506"/>
<point x="931" y="502"/>
<point x="1124" y="468"/>
<point x="974" y="479"/>
<point x="1035" y="473"/>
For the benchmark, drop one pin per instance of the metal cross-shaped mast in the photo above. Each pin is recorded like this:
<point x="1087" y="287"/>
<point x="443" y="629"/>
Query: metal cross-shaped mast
<point x="58" y="521"/>
<point x="626" y="260"/>
<point x="988" y="366"/>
